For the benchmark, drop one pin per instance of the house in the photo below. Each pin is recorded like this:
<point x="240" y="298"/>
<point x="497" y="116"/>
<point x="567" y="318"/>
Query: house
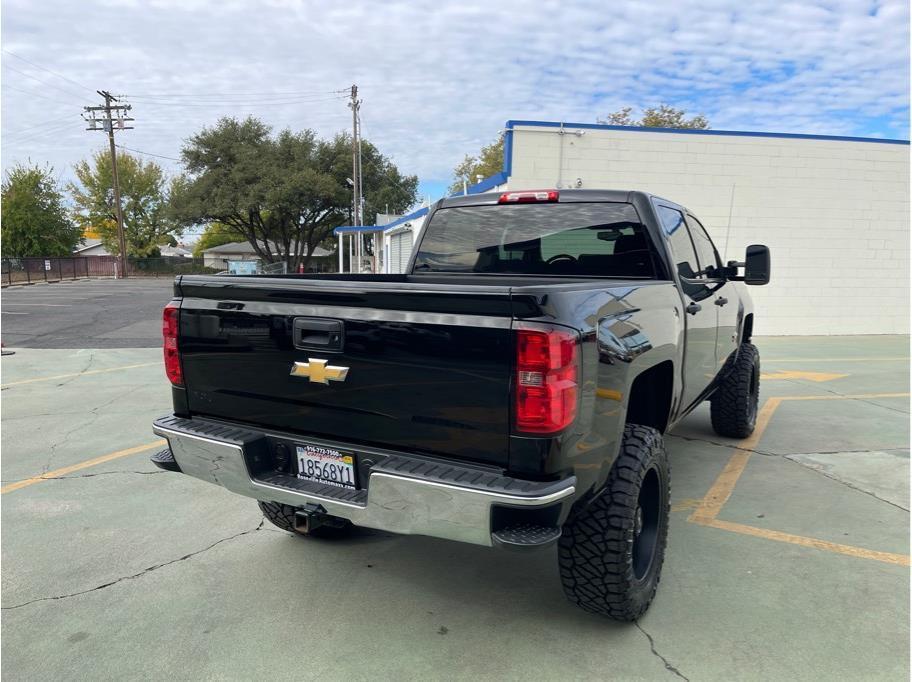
<point x="168" y="251"/>
<point x="218" y="256"/>
<point x="90" y="246"/>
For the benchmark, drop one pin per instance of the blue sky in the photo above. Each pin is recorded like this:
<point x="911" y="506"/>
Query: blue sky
<point x="439" y="79"/>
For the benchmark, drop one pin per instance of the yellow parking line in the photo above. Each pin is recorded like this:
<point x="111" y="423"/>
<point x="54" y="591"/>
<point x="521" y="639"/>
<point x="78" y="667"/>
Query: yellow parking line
<point x="56" y="473"/>
<point x="79" y="374"/>
<point x="860" y="552"/>
<point x="773" y="361"/>
<point x="858" y="396"/>
<point x="720" y="491"/>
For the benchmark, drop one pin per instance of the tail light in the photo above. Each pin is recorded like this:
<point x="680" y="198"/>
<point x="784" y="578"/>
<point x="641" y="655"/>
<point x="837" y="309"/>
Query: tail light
<point x="546" y="379"/>
<point x="170" y="317"/>
<point x="530" y="197"/>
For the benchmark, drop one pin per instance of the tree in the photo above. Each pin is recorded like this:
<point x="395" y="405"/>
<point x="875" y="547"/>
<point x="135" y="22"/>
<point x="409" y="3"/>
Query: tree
<point x="35" y="221"/>
<point x="488" y="162"/>
<point x="285" y="193"/>
<point x="144" y="198"/>
<point x="662" y="116"/>
<point x="216" y="234"/>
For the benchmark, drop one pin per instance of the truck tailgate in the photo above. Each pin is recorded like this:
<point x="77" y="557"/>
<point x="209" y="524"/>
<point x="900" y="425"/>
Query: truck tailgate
<point x="428" y="368"/>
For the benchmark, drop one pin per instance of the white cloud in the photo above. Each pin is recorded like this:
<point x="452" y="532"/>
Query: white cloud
<point x="439" y="79"/>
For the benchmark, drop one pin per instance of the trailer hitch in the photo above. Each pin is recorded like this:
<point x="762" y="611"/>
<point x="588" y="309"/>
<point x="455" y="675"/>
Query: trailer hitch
<point x="312" y="516"/>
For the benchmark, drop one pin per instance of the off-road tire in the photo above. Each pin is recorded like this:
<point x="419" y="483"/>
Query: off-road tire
<point x="283" y="516"/>
<point x="600" y="557"/>
<point x="733" y="407"/>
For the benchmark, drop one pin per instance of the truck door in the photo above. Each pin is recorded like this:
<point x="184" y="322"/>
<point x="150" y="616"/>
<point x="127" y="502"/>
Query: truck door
<point x="724" y="297"/>
<point x="699" y="312"/>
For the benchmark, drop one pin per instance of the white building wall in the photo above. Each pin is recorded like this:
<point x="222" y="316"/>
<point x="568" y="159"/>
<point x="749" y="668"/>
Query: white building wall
<point x="414" y="226"/>
<point x="834" y="213"/>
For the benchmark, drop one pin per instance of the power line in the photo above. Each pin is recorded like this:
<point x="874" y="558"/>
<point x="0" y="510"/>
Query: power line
<point x="37" y="94"/>
<point x="50" y="85"/>
<point x="44" y="68"/>
<point x="232" y="103"/>
<point x="139" y="151"/>
<point x="298" y="93"/>
<point x="40" y="125"/>
<point x="36" y="134"/>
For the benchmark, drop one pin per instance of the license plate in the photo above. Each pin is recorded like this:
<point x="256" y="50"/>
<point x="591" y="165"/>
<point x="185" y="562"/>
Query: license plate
<point x="325" y="465"/>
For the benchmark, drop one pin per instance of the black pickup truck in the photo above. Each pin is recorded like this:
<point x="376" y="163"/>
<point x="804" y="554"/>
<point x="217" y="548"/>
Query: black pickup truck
<point x="511" y="390"/>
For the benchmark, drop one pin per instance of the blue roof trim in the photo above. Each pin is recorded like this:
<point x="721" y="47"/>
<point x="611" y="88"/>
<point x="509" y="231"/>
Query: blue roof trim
<point x="404" y="219"/>
<point x="508" y="160"/>
<point x="488" y="183"/>
<point x="354" y="229"/>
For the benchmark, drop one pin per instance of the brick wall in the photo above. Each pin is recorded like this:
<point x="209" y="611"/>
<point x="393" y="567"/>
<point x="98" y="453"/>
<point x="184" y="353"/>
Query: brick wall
<point x="834" y="213"/>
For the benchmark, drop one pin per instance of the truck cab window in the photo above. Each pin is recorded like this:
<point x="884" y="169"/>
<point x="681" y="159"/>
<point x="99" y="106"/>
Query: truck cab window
<point x="708" y="257"/>
<point x="682" y="251"/>
<point x="604" y="239"/>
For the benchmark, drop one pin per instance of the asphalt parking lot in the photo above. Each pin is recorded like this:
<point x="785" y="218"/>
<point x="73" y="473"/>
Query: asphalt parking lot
<point x="788" y="552"/>
<point x="94" y="313"/>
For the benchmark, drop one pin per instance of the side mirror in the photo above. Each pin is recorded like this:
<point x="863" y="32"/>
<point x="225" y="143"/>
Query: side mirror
<point x="756" y="266"/>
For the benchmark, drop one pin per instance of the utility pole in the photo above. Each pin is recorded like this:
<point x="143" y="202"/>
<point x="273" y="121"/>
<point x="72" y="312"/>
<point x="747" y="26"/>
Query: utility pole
<point x="113" y="115"/>
<point x="355" y="105"/>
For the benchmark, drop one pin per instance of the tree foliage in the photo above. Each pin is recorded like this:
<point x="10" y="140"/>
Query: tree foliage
<point x="288" y="189"/>
<point x="35" y="220"/>
<point x="216" y="234"/>
<point x="144" y="198"/>
<point x="489" y="161"/>
<point x="662" y="116"/>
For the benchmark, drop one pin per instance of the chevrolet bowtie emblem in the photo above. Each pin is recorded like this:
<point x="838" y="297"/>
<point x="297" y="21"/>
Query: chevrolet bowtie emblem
<point x="318" y="371"/>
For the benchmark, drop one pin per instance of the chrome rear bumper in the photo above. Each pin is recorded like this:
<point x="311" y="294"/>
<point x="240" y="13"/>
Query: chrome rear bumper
<point x="403" y="495"/>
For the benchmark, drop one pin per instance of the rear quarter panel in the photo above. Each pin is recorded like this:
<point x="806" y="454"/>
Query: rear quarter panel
<point x="624" y="331"/>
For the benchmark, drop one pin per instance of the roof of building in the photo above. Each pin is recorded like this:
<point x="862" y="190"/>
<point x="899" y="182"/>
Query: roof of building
<point x="696" y="131"/>
<point x="87" y="243"/>
<point x="246" y="249"/>
<point x="351" y="229"/>
<point x="168" y="250"/>
<point x="401" y="220"/>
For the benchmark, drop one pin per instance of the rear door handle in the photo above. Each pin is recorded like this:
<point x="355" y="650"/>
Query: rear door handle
<point x="694" y="308"/>
<point x="721" y="301"/>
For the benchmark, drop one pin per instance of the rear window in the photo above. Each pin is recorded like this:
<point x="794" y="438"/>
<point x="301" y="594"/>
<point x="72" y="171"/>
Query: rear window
<point x="578" y="239"/>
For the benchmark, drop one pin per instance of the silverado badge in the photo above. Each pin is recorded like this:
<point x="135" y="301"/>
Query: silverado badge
<point x="318" y="371"/>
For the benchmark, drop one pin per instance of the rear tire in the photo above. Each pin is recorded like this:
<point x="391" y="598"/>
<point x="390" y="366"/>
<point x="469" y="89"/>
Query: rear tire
<point x="283" y="516"/>
<point x="733" y="407"/>
<point x="611" y="551"/>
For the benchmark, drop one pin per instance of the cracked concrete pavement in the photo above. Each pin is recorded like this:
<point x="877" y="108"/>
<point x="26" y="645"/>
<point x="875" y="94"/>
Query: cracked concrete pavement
<point x="112" y="572"/>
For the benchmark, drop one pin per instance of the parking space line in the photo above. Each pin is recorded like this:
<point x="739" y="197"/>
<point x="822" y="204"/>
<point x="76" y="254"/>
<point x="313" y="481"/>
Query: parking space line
<point x="721" y="490"/>
<point x="779" y="536"/>
<point x="57" y="473"/>
<point x="773" y="361"/>
<point x="79" y="374"/>
<point x="858" y="396"/>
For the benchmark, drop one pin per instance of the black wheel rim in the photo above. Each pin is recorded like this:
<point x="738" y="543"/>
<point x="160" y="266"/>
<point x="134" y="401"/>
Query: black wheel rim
<point x="753" y="396"/>
<point x="646" y="524"/>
